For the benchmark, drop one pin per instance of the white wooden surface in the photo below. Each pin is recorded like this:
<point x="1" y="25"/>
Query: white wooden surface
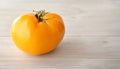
<point x="92" y="39"/>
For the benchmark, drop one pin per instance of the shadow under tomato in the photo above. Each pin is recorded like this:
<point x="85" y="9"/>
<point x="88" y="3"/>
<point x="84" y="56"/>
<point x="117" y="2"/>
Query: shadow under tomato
<point x="67" y="48"/>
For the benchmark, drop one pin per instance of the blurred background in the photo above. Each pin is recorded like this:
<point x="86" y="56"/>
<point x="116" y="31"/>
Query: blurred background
<point x="79" y="15"/>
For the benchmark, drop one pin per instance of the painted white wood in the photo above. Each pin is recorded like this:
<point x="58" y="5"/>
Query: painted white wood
<point x="92" y="38"/>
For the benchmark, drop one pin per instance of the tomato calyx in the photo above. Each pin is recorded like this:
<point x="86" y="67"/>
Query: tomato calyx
<point x="39" y="15"/>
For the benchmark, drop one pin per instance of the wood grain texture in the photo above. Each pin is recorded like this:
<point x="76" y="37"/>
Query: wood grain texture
<point x="92" y="38"/>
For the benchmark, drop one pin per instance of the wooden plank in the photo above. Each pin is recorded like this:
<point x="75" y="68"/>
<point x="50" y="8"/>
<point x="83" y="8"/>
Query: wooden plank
<point x="85" y="20"/>
<point x="72" y="47"/>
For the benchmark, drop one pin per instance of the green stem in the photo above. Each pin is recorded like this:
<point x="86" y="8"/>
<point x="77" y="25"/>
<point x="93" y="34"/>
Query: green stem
<point x="39" y="15"/>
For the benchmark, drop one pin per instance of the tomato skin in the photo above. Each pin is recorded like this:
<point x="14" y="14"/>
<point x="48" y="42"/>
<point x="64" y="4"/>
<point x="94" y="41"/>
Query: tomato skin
<point x="37" y="37"/>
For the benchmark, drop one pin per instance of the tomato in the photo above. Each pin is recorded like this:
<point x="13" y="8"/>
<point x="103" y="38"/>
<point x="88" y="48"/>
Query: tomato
<point x="37" y="33"/>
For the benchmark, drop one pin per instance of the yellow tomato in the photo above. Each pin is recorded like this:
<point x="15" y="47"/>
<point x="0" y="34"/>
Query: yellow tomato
<point x="37" y="33"/>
